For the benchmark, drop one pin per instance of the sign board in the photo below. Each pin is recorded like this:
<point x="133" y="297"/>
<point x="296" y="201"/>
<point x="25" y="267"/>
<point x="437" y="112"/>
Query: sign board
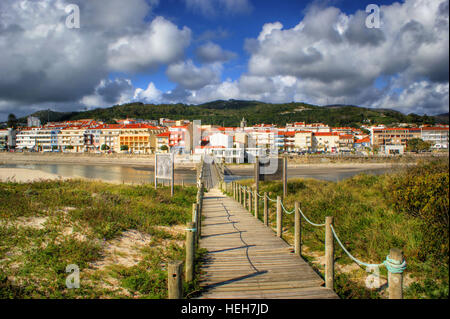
<point x="164" y="169"/>
<point x="164" y="166"/>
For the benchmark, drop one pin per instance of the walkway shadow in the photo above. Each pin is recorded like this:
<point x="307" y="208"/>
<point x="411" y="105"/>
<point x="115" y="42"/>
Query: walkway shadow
<point x="229" y="281"/>
<point x="217" y="224"/>
<point x="230" y="233"/>
<point x="228" y="249"/>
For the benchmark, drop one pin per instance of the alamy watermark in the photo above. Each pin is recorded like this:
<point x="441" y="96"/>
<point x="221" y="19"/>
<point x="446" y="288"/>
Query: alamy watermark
<point x="73" y="19"/>
<point x="73" y="280"/>
<point x="373" y="19"/>
<point x="373" y="280"/>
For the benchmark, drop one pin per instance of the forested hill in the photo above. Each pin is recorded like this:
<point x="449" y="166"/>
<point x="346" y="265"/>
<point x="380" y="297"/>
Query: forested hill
<point x="230" y="113"/>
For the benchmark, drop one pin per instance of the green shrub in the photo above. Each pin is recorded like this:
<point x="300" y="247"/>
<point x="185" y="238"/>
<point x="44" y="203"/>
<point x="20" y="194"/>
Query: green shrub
<point x="422" y="192"/>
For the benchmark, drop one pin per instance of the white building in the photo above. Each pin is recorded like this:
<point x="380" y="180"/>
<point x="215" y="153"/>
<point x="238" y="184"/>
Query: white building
<point x="221" y="140"/>
<point x="437" y="136"/>
<point x="304" y="141"/>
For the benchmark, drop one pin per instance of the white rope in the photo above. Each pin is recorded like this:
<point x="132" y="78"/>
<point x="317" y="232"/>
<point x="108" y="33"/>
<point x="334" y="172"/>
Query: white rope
<point x="316" y="225"/>
<point x="359" y="262"/>
<point x="285" y="210"/>
<point x="272" y="200"/>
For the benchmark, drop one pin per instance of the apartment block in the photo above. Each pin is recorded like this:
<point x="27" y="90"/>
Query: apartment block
<point x="437" y="136"/>
<point x="397" y="136"/>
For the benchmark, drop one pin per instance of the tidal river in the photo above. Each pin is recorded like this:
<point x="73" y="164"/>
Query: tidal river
<point x="140" y="174"/>
<point x="107" y="173"/>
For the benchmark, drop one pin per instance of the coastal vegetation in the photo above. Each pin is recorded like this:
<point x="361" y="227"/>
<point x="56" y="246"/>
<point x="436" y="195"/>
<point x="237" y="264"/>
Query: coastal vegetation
<point x="407" y="209"/>
<point x="120" y="236"/>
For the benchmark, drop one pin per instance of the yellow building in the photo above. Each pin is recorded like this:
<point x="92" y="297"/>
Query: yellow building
<point x="138" y="138"/>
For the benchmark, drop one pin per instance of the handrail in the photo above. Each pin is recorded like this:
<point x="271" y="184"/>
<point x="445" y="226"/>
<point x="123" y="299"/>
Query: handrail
<point x="394" y="266"/>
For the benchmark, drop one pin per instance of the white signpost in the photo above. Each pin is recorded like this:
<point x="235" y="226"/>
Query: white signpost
<point x="164" y="169"/>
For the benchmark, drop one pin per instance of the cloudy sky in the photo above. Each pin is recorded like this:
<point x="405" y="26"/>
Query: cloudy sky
<point x="194" y="51"/>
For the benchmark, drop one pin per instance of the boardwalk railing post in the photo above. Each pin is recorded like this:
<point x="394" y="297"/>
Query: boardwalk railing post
<point x="233" y="186"/>
<point x="250" y="200"/>
<point x="195" y="220"/>
<point x="245" y="196"/>
<point x="285" y="190"/>
<point x="395" y="280"/>
<point x="256" y="203"/>
<point x="266" y="210"/>
<point x="199" y="216"/>
<point x="329" y="253"/>
<point x="298" y="230"/>
<point x="240" y="194"/>
<point x="190" y="251"/>
<point x="174" y="284"/>
<point x="279" y="218"/>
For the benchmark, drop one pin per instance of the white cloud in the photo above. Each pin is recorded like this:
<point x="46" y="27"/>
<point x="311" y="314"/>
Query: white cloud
<point x="213" y="53"/>
<point x="161" y="43"/>
<point x="335" y="58"/>
<point x="50" y="65"/>
<point x="190" y="77"/>
<point x="149" y="95"/>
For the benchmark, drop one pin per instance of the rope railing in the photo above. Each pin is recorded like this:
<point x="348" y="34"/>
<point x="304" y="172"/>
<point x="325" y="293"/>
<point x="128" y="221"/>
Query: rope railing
<point x="392" y="265"/>
<point x="394" y="262"/>
<point x="286" y="211"/>
<point x="193" y="233"/>
<point x="310" y="222"/>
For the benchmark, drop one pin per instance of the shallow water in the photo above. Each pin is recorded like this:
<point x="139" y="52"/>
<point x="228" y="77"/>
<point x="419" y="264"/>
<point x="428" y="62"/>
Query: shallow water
<point x="107" y="173"/>
<point x="143" y="175"/>
<point x="333" y="174"/>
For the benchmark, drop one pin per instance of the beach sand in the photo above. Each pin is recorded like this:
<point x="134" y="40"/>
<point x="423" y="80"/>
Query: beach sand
<point x="20" y="175"/>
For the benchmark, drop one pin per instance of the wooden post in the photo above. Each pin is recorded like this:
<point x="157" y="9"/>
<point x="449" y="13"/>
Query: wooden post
<point x="182" y="183"/>
<point x="298" y="230"/>
<point x="250" y="200"/>
<point x="329" y="253"/>
<point x="266" y="210"/>
<point x="233" y="187"/>
<point x="245" y="196"/>
<point x="240" y="194"/>
<point x="156" y="171"/>
<point x="172" y="177"/>
<point x="256" y="203"/>
<point x="257" y="173"/>
<point x="285" y="177"/>
<point x="195" y="220"/>
<point x="199" y="217"/>
<point x="190" y="251"/>
<point x="279" y="218"/>
<point x="395" y="281"/>
<point x="175" y="287"/>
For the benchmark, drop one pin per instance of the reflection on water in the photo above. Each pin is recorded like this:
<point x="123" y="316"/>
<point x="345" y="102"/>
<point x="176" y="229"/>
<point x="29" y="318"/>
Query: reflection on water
<point x="144" y="175"/>
<point x="107" y="173"/>
<point x="326" y="173"/>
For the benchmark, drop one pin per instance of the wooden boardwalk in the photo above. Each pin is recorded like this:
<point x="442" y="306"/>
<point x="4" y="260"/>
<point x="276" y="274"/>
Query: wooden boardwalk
<point x="246" y="260"/>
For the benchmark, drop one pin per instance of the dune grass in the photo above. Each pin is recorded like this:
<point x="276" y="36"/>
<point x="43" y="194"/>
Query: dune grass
<point x="45" y="226"/>
<point x="370" y="218"/>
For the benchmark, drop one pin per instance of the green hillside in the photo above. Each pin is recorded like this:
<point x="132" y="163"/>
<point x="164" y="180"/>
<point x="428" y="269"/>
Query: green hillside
<point x="230" y="113"/>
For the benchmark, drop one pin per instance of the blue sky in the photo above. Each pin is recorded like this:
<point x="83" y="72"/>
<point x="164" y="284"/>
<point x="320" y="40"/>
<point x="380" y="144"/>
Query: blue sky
<point x="233" y="29"/>
<point x="195" y="51"/>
